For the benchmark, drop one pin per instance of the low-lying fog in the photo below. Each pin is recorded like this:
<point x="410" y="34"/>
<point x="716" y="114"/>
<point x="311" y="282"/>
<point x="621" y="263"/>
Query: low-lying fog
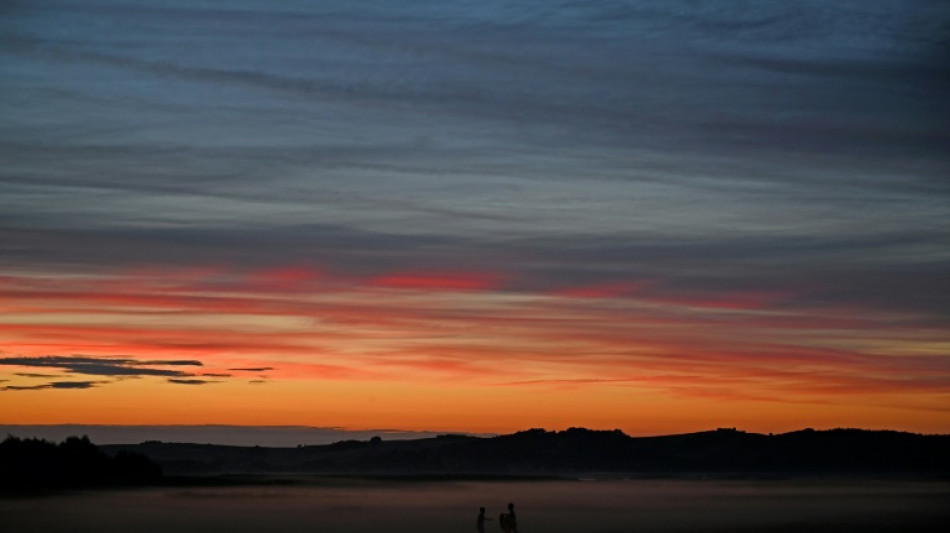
<point x="351" y="506"/>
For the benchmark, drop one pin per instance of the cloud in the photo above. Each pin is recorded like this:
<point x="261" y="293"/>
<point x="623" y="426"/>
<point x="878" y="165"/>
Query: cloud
<point x="172" y="362"/>
<point x="452" y="281"/>
<point x="906" y="262"/>
<point x="74" y="384"/>
<point x="603" y="290"/>
<point x="54" y="385"/>
<point x="119" y="367"/>
<point x="719" y="192"/>
<point x="103" y="366"/>
<point x="257" y="381"/>
<point x="215" y="375"/>
<point x="190" y="381"/>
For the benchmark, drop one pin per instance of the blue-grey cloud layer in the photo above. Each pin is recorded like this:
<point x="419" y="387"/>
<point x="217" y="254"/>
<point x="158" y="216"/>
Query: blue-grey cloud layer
<point x="714" y="146"/>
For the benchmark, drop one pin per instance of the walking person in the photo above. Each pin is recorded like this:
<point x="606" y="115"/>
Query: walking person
<point x="512" y="519"/>
<point x="480" y="522"/>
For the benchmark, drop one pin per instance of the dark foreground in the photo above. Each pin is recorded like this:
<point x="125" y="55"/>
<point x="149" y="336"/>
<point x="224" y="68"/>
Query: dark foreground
<point x="363" y="505"/>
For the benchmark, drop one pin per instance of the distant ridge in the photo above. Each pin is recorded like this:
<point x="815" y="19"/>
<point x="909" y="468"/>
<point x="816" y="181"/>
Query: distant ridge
<point x="206" y="433"/>
<point x="577" y="452"/>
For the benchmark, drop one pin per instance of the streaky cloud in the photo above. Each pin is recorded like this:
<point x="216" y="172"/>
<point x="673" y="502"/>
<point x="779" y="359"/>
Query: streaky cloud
<point x="179" y="381"/>
<point x="24" y="387"/>
<point x="74" y="384"/>
<point x="54" y="385"/>
<point x="102" y="366"/>
<point x="163" y="362"/>
<point x="117" y="367"/>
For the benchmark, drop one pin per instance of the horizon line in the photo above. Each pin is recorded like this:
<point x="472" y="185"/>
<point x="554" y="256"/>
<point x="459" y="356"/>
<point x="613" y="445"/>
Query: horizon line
<point x="406" y="434"/>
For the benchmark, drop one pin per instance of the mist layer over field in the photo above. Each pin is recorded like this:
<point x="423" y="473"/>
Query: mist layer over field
<point x="351" y="506"/>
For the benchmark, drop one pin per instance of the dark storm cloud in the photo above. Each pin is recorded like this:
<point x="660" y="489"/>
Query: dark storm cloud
<point x="103" y="366"/>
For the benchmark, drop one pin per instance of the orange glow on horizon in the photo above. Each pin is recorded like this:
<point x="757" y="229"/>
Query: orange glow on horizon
<point x="452" y="352"/>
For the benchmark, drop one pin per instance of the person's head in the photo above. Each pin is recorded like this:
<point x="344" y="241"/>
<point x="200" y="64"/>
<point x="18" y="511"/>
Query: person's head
<point x="511" y="506"/>
<point x="481" y="510"/>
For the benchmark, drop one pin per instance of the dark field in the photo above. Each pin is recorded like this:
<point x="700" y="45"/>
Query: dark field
<point x="352" y="505"/>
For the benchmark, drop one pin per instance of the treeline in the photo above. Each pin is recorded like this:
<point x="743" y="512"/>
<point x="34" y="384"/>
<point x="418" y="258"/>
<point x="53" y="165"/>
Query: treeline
<point x="580" y="452"/>
<point x="727" y="450"/>
<point x="34" y="464"/>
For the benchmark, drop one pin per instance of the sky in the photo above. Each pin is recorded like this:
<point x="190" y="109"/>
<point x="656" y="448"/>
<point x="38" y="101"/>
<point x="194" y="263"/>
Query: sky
<point x="484" y="216"/>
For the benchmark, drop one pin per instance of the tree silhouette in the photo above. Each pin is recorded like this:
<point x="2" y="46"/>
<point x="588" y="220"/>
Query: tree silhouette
<point x="32" y="464"/>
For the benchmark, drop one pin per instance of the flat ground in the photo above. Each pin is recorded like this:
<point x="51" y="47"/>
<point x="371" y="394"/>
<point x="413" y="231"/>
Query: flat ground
<point x="358" y="506"/>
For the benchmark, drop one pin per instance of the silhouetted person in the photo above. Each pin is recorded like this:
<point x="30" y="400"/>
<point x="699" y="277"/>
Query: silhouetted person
<point x="512" y="519"/>
<point x="480" y="523"/>
<point x="504" y="523"/>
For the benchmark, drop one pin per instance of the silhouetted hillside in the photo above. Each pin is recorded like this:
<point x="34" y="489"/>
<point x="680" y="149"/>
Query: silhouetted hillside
<point x="29" y="464"/>
<point x="579" y="452"/>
